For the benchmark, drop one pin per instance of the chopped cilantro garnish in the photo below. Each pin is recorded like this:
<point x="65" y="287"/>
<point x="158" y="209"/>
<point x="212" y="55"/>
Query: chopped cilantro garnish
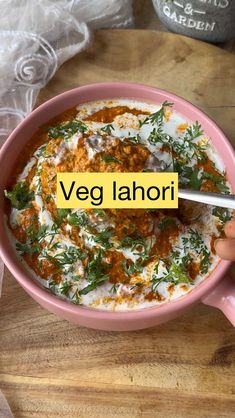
<point x="69" y="256"/>
<point x="129" y="267"/>
<point x="66" y="130"/>
<point x="100" y="213"/>
<point x="65" y="288"/>
<point x="62" y="214"/>
<point x="222" y="213"/>
<point x="90" y="287"/>
<point x="188" y="176"/>
<point x="97" y="272"/>
<point x="136" y="285"/>
<point x="138" y="244"/>
<point x="194" y="131"/>
<point x="179" y="259"/>
<point x="158" y="116"/>
<point x="205" y="261"/>
<point x="20" y="196"/>
<point x="113" y="288"/>
<point x="167" y="222"/>
<point x="132" y="242"/>
<point x="218" y="180"/>
<point x="103" y="238"/>
<point x="110" y="159"/>
<point x="28" y="248"/>
<point x="41" y="151"/>
<point x="197" y="244"/>
<point x="52" y="284"/>
<point x="76" y="298"/>
<point x="73" y="219"/>
<point x="76" y="278"/>
<point x="135" y="139"/>
<point x="42" y="232"/>
<point x="194" y="242"/>
<point x="77" y="219"/>
<point x="158" y="136"/>
<point x="47" y="198"/>
<point x="33" y="243"/>
<point x="108" y="129"/>
<point x="181" y="149"/>
<point x="175" y="274"/>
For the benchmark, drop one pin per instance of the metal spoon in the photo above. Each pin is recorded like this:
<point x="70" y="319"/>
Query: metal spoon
<point x="213" y="199"/>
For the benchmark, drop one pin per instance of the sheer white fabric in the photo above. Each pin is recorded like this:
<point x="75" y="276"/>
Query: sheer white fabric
<point x="36" y="38"/>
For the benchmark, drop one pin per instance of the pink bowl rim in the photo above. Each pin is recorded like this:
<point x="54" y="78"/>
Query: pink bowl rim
<point x="25" y="279"/>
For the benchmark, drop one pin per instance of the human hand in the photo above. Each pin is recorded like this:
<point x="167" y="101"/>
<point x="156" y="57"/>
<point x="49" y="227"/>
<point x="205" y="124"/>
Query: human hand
<point x="225" y="247"/>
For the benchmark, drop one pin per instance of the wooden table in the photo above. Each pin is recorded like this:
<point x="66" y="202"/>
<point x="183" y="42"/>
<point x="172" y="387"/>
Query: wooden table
<point x="183" y="369"/>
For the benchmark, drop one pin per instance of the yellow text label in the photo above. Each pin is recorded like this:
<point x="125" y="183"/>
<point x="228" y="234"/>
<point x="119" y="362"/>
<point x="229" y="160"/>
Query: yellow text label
<point x="117" y="190"/>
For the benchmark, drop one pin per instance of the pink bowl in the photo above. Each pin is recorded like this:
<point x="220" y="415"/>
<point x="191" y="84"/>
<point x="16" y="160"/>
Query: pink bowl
<point x="217" y="290"/>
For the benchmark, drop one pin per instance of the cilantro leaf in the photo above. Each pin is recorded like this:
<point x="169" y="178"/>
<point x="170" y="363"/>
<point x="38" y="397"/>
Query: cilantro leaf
<point x="65" y="288"/>
<point x="223" y="214"/>
<point x="110" y="159"/>
<point x="20" y="196"/>
<point x="194" y="131"/>
<point x="27" y="248"/>
<point x="129" y="267"/>
<point x="188" y="176"/>
<point x="196" y="243"/>
<point x="97" y="272"/>
<point x="167" y="222"/>
<point x="61" y="215"/>
<point x="135" y="139"/>
<point x="156" y="117"/>
<point x="77" y="219"/>
<point x="103" y="238"/>
<point x="138" y="244"/>
<point x="218" y="180"/>
<point x="69" y="256"/>
<point x="33" y="244"/>
<point x="158" y="136"/>
<point x="175" y="274"/>
<point x="66" y="130"/>
<point x="108" y="129"/>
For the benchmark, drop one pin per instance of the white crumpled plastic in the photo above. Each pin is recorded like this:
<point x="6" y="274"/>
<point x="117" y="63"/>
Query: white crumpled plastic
<point x="36" y="37"/>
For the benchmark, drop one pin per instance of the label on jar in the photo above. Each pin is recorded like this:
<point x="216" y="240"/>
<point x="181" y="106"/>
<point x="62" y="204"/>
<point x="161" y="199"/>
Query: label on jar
<point x="192" y="16"/>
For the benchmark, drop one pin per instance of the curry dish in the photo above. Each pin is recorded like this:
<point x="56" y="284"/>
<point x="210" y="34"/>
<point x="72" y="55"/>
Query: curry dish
<point x="116" y="259"/>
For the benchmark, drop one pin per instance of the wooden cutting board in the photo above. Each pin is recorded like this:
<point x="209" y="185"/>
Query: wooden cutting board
<point x="183" y="369"/>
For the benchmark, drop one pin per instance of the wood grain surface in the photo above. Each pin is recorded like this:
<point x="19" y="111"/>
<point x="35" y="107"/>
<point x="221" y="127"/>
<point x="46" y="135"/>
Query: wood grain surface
<point x="182" y="369"/>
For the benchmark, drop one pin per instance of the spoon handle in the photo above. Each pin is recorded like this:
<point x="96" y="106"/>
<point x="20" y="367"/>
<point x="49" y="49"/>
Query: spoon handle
<point x="213" y="199"/>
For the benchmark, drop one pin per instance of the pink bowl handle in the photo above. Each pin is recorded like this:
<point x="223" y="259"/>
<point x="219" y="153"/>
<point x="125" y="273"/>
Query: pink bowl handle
<point x="223" y="297"/>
